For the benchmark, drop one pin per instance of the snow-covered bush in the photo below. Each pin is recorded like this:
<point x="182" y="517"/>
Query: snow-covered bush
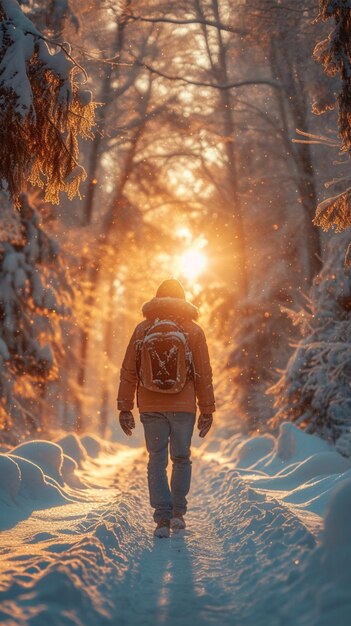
<point x="34" y="296"/>
<point x="43" y="111"/>
<point x="314" y="390"/>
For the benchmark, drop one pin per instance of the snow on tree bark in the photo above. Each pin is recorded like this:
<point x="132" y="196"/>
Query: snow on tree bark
<point x="43" y="110"/>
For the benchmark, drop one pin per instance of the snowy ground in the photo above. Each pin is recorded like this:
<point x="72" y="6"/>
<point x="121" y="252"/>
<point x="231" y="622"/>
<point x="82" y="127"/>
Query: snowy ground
<point x="268" y="539"/>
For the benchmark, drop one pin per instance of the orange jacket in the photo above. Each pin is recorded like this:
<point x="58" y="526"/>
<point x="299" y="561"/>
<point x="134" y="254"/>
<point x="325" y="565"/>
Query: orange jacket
<point x="185" y="400"/>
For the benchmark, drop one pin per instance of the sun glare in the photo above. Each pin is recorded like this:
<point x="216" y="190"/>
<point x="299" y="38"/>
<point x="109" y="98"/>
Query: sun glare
<point x="192" y="263"/>
<point x="183" y="233"/>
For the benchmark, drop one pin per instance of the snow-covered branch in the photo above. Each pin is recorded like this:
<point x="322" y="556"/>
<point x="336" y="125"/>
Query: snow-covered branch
<point x="34" y="296"/>
<point x="314" y="389"/>
<point x="43" y="110"/>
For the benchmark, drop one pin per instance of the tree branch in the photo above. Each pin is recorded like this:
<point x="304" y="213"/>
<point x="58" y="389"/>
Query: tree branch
<point x="205" y="22"/>
<point x="64" y="49"/>
<point x="199" y="83"/>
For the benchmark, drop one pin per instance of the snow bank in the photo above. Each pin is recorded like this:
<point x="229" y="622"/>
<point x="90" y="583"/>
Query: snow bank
<point x="300" y="478"/>
<point x="34" y="486"/>
<point x="321" y="593"/>
<point x="337" y="526"/>
<point x="275" y="454"/>
<point x="252" y="450"/>
<point x="337" y="553"/>
<point x="69" y="468"/>
<point x="38" y="474"/>
<point x="273" y="570"/>
<point x="324" y="463"/>
<point x="93" y="445"/>
<point x="47" y="455"/>
<point x="72" y="447"/>
<point x="291" y="446"/>
<point x="10" y="478"/>
<point x="301" y="469"/>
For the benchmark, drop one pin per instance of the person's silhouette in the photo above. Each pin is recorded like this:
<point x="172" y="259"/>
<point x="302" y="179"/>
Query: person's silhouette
<point x="167" y="364"/>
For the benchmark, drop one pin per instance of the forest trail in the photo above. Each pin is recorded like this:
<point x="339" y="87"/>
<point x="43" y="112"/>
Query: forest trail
<point x="94" y="561"/>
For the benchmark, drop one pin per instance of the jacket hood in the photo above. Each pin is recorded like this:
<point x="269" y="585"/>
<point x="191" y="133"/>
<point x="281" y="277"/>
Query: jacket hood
<point x="170" y="307"/>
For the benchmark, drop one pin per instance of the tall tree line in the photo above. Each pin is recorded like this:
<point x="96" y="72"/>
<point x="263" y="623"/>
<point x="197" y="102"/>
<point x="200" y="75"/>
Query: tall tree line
<point x="197" y="107"/>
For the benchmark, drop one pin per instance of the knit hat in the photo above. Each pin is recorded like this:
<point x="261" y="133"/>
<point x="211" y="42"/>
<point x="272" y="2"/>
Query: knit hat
<point x="171" y="288"/>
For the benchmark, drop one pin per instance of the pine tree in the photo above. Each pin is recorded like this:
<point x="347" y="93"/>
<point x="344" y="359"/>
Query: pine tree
<point x="314" y="390"/>
<point x="34" y="297"/>
<point x="259" y="342"/>
<point x="43" y="110"/>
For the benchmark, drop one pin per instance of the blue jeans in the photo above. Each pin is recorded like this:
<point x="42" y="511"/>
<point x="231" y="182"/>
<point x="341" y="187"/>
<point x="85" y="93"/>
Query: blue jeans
<point x="177" y="429"/>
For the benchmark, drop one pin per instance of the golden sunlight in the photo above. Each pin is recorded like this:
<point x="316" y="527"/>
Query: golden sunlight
<point x="192" y="263"/>
<point x="183" y="233"/>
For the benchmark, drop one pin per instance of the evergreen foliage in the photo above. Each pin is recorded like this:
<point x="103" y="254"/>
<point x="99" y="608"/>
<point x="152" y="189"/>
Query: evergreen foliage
<point x="314" y="390"/>
<point x="34" y="296"/>
<point x="260" y="346"/>
<point x="43" y="110"/>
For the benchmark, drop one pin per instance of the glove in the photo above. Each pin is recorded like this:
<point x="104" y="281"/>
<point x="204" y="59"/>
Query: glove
<point x="127" y="422"/>
<point x="204" y="423"/>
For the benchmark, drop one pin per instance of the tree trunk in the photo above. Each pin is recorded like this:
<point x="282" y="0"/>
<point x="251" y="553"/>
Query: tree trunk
<point x="105" y="98"/>
<point x="293" y="99"/>
<point x="237" y="242"/>
<point x="108" y="353"/>
<point x="88" y="209"/>
<point x="108" y="226"/>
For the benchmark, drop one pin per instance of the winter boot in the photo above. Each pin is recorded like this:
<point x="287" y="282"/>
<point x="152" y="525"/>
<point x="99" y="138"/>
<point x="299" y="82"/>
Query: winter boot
<point x="162" y="529"/>
<point x="177" y="521"/>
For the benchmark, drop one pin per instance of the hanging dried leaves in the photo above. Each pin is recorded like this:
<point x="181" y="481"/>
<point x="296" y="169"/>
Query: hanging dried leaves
<point x="334" y="212"/>
<point x="42" y="110"/>
<point x="334" y="53"/>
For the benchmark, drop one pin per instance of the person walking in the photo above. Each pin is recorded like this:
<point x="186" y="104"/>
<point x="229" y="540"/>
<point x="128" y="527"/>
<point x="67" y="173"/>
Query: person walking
<point x="167" y="365"/>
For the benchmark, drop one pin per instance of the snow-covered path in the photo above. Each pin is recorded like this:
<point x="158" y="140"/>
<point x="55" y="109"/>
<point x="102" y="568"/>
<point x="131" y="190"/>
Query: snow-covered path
<point x="245" y="558"/>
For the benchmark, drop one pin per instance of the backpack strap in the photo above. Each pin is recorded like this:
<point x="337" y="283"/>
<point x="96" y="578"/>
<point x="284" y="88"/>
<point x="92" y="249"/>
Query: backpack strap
<point x="138" y="345"/>
<point x="190" y="363"/>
